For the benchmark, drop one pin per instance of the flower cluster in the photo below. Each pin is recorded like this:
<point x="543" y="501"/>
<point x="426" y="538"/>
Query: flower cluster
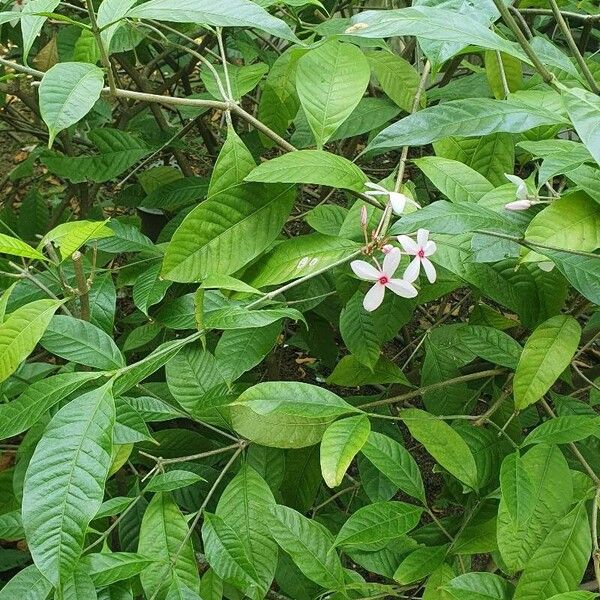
<point x="382" y="276"/>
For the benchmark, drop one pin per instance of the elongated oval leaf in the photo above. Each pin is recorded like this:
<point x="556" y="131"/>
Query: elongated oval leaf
<point x="28" y="584"/>
<point x="310" y="546"/>
<point x="374" y="526"/>
<point x="21" y="331"/>
<point x="233" y="13"/>
<point x="341" y="442"/>
<point x="81" y="342"/>
<point x="64" y="483"/>
<point x="547" y="353"/>
<point x="443" y="443"/>
<point x="15" y="247"/>
<point x="331" y="81"/>
<point x="164" y="533"/>
<point x="311" y="166"/>
<point x="286" y="414"/>
<point x="67" y="94"/>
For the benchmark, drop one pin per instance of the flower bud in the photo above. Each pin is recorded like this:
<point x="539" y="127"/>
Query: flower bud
<point x="387" y="248"/>
<point x="519" y="205"/>
<point x="364" y="217"/>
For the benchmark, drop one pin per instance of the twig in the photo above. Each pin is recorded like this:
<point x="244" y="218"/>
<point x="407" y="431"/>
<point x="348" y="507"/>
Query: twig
<point x="82" y="286"/>
<point x="564" y="27"/>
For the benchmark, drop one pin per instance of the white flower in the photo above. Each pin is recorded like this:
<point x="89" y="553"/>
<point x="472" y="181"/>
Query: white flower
<point x="420" y="249"/>
<point x="522" y="201"/>
<point x="383" y="278"/>
<point x="397" y="200"/>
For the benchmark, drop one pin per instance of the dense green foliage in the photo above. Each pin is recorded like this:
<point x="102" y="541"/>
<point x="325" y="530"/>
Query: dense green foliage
<point x="299" y="299"/>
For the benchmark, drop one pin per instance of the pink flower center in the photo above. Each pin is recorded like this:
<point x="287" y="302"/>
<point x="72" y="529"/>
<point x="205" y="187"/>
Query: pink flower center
<point x="421" y="253"/>
<point x="384" y="279"/>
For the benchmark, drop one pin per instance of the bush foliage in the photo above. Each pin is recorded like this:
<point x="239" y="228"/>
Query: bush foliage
<point x="298" y="299"/>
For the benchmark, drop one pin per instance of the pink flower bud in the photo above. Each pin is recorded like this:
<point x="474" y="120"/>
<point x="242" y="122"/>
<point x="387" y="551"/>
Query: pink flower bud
<point x="387" y="248"/>
<point x="519" y="205"/>
<point x="364" y="216"/>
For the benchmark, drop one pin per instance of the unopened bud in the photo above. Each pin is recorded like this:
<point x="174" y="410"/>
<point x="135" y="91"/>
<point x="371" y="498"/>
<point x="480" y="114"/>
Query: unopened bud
<point x="364" y="217"/>
<point x="519" y="205"/>
<point x="387" y="248"/>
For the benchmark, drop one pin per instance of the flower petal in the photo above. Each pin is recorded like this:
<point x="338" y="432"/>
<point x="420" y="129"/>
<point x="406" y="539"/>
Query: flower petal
<point x="429" y="270"/>
<point x="408" y="244"/>
<point x="365" y="270"/>
<point x="374" y="297"/>
<point x="430" y="248"/>
<point x="391" y="261"/>
<point x="398" y="202"/>
<point x="412" y="271"/>
<point x="422" y="237"/>
<point x="403" y="288"/>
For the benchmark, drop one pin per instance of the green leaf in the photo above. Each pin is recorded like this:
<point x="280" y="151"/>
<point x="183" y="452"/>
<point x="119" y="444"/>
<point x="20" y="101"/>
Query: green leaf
<point x="560" y="562"/>
<point x="239" y="350"/>
<point x="311" y="166"/>
<point x="583" y="272"/>
<point x="547" y="353"/>
<point x="119" y="151"/>
<point x="242" y="79"/>
<point x="478" y="586"/>
<point x="164" y="534"/>
<point x="149" y="288"/>
<point x="584" y="110"/>
<point x="396" y="463"/>
<point x="37" y="399"/>
<point x="229" y="556"/>
<point x="67" y="94"/>
<point x="570" y="223"/>
<point x="466" y="118"/>
<point x="234" y="13"/>
<point x="180" y="591"/>
<point x="81" y="342"/>
<point x="298" y="257"/>
<point x="21" y="332"/>
<point x="374" y="526"/>
<point x="564" y="430"/>
<point x="64" y="483"/>
<point x="310" y="546"/>
<point x="239" y="317"/>
<point x="243" y="506"/>
<point x="420" y="563"/>
<point x="172" y="480"/>
<point x="252" y="214"/>
<point x="32" y="21"/>
<point x="545" y="465"/>
<point x="106" y="568"/>
<point x="397" y="77"/>
<point x="360" y="332"/>
<point x="517" y="489"/>
<point x="431" y="23"/>
<point x="110" y="12"/>
<point x="15" y="247"/>
<point x="458" y="182"/>
<point x="70" y="237"/>
<point x="504" y="73"/>
<point x="341" y="442"/>
<point x="28" y="584"/>
<point x="286" y="414"/>
<point x="491" y="155"/>
<point x="349" y="372"/>
<point x="190" y="374"/>
<point x="443" y="443"/>
<point x="331" y="81"/>
<point x="451" y="218"/>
